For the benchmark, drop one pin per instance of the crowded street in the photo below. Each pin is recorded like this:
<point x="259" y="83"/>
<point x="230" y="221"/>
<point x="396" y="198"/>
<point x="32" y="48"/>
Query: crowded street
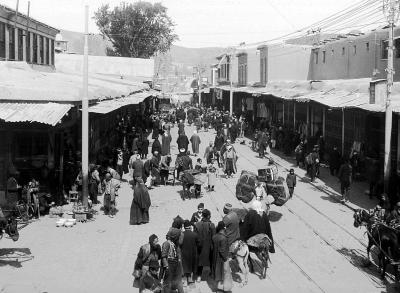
<point x="198" y="146"/>
<point x="317" y="247"/>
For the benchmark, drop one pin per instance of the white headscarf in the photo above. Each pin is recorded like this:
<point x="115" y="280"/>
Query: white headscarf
<point x="257" y="206"/>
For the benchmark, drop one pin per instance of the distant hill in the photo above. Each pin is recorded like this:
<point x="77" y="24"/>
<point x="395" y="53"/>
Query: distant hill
<point x="97" y="45"/>
<point x="177" y="55"/>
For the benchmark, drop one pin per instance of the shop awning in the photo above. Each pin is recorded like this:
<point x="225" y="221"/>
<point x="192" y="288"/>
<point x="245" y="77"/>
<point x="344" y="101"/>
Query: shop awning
<point x="331" y="93"/>
<point x="20" y="82"/>
<point x="47" y="113"/>
<point x="108" y="106"/>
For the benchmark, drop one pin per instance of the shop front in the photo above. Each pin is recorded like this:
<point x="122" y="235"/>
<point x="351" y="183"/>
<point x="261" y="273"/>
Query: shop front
<point x="33" y="150"/>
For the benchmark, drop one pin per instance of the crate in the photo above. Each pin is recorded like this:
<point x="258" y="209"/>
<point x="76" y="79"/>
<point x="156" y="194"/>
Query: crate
<point x="80" y="217"/>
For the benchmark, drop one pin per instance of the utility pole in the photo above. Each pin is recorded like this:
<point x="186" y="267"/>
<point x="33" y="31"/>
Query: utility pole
<point x="85" y="116"/>
<point x="231" y="84"/>
<point x="199" y="77"/>
<point x="391" y="11"/>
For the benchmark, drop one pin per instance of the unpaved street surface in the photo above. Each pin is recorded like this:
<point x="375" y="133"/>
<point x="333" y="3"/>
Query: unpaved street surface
<point x="317" y="247"/>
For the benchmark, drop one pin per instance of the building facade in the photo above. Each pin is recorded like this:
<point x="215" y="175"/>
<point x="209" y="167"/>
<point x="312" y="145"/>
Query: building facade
<point x="25" y="39"/>
<point x="355" y="56"/>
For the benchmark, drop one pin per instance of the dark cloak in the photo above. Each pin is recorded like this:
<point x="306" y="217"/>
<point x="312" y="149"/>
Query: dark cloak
<point x="189" y="250"/>
<point x="140" y="205"/>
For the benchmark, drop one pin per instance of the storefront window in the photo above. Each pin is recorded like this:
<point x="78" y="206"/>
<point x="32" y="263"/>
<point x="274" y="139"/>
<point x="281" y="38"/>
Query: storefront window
<point x="317" y="121"/>
<point x="27" y="145"/>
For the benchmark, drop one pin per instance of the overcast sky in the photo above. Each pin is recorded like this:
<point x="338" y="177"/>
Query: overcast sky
<point x="201" y="23"/>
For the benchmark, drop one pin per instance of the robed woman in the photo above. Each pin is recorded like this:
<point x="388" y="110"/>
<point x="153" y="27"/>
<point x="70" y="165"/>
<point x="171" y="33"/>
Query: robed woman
<point x="140" y="204"/>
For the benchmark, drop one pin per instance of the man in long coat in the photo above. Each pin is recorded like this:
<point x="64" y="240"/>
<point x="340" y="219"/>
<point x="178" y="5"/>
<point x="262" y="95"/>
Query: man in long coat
<point x="218" y="143"/>
<point x="229" y="161"/>
<point x="256" y="222"/>
<point x="181" y="127"/>
<point x="231" y="221"/>
<point x="220" y="254"/>
<point x="110" y="189"/>
<point x="156" y="146"/>
<point x="189" y="247"/>
<point x="183" y="141"/>
<point x="195" y="140"/>
<point x="166" y="144"/>
<point x="137" y="166"/>
<point x="206" y="230"/>
<point x="140" y="204"/>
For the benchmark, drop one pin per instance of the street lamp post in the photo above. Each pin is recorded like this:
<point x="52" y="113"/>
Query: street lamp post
<point x="391" y="10"/>
<point x="85" y="117"/>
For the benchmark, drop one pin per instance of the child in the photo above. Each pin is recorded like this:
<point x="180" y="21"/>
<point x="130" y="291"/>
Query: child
<point x="145" y="147"/>
<point x="197" y="187"/>
<point x="291" y="182"/>
<point x="212" y="174"/>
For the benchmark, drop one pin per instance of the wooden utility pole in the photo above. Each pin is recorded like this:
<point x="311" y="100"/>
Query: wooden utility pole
<point x="85" y="116"/>
<point x="391" y="10"/>
<point x="200" y="82"/>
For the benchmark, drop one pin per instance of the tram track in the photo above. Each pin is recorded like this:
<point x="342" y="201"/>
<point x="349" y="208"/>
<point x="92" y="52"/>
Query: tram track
<point x="323" y="238"/>
<point x="302" y="271"/>
<point x="309" y="274"/>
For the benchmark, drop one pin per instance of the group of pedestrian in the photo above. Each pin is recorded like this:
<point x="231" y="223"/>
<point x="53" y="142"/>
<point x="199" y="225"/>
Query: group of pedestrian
<point x="197" y="249"/>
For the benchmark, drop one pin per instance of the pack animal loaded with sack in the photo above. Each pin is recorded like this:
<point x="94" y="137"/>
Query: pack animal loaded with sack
<point x="275" y="186"/>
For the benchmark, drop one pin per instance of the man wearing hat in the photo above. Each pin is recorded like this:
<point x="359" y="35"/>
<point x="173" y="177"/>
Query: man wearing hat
<point x="220" y="254"/>
<point x="137" y="167"/>
<point x="231" y="221"/>
<point x="256" y="222"/>
<point x="149" y="255"/>
<point x="230" y="159"/>
<point x="189" y="247"/>
<point x="181" y="127"/>
<point x="206" y="230"/>
<point x="183" y="162"/>
<point x="110" y="191"/>
<point x="218" y="143"/>
<point x="197" y="216"/>
<point x="171" y="262"/>
<point x="183" y="141"/>
<point x="291" y="182"/>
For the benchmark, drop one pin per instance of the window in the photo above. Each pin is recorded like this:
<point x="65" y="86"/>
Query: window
<point x="227" y="68"/>
<point x="367" y="46"/>
<point x="384" y="47"/>
<point x="28" y="47"/>
<point x="316" y="57"/>
<point x="20" y="44"/>
<point x="47" y="50"/>
<point x="243" y="74"/>
<point x="354" y="50"/>
<point x="343" y="51"/>
<point x="397" y="48"/>
<point x="41" y="50"/>
<point x="11" y="45"/>
<point x="262" y="70"/>
<point x="323" y="56"/>
<point x="52" y="52"/>
<point x="35" y="48"/>
<point x="2" y="40"/>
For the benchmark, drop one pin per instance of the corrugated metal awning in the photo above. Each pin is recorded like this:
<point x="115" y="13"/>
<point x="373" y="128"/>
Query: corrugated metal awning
<point x="47" y="113"/>
<point x="108" y="106"/>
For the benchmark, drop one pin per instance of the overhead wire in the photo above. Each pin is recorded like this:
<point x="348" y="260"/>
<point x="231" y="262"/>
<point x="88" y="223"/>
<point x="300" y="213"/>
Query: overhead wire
<point x="330" y="18"/>
<point x="333" y="19"/>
